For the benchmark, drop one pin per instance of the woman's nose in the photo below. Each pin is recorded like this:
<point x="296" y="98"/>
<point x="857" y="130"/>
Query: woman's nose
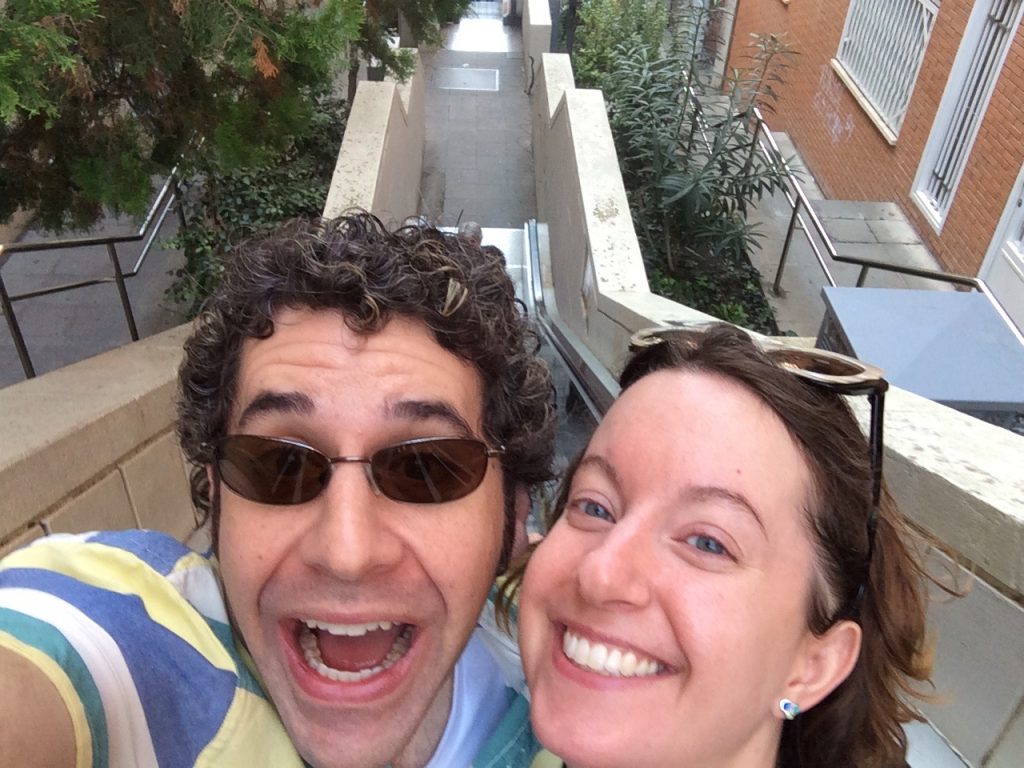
<point x="615" y="571"/>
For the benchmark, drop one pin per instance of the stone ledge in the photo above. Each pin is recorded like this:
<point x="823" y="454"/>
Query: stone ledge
<point x="381" y="156"/>
<point x="65" y="428"/>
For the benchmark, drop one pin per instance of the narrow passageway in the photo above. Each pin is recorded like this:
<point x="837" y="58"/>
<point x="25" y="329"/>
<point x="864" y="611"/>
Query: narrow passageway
<point x="477" y="162"/>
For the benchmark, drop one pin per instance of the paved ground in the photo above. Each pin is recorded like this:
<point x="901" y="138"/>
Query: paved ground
<point x="865" y="229"/>
<point x="477" y="160"/>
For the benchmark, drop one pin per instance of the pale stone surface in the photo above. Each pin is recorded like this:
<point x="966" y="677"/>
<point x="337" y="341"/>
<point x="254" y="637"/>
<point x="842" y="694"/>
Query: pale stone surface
<point x="157" y="488"/>
<point x="1010" y="749"/>
<point x="618" y="264"/>
<point x="65" y="428"/>
<point x="355" y="174"/>
<point x="18" y="223"/>
<point x="979" y="662"/>
<point x="103" y="506"/>
<point x="536" y="36"/>
<point x="960" y="479"/>
<point x="381" y="157"/>
<point x="20" y="539"/>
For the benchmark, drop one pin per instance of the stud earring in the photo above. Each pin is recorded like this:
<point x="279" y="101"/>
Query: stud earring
<point x="790" y="709"/>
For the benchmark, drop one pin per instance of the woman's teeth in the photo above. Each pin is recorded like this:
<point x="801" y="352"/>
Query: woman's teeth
<point x="605" y="659"/>
<point x="311" y="649"/>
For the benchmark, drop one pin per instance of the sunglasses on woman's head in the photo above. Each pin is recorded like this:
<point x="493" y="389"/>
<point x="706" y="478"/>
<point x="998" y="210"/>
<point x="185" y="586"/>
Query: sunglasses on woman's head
<point x="829" y="371"/>
<point x="278" y="471"/>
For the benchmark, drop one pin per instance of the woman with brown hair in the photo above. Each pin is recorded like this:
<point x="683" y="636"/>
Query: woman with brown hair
<point x="726" y="582"/>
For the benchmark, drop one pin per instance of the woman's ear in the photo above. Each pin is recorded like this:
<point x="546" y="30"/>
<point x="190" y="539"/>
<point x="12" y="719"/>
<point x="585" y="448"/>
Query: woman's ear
<point x="824" y="663"/>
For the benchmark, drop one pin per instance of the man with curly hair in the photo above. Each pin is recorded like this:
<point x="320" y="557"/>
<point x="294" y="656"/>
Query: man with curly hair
<point x="365" y="416"/>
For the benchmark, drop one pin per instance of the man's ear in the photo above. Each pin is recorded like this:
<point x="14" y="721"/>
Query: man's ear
<point x="825" y="662"/>
<point x="522" y="511"/>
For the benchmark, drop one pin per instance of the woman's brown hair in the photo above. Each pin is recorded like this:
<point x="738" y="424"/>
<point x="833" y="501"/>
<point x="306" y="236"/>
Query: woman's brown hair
<point x="859" y="725"/>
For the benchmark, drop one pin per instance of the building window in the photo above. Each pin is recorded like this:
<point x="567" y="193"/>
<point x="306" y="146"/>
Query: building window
<point x="983" y="49"/>
<point x="880" y="53"/>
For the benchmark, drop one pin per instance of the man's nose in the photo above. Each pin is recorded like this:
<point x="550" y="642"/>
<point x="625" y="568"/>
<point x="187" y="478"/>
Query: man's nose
<point x="352" y="533"/>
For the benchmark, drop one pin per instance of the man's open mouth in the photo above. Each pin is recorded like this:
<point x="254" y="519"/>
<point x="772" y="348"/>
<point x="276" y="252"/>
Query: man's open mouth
<point x="350" y="653"/>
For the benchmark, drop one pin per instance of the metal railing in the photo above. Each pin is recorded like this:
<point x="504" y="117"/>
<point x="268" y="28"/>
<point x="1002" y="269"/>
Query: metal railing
<point x="819" y="241"/>
<point x="148" y="231"/>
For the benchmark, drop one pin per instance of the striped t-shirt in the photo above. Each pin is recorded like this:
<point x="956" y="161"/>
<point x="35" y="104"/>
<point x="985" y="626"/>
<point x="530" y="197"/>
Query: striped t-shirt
<point x="130" y="627"/>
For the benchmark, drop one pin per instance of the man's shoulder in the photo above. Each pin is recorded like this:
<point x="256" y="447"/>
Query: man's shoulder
<point x="119" y="576"/>
<point x="67" y="552"/>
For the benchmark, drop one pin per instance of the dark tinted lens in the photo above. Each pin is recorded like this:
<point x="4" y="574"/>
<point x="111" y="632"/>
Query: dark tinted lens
<point x="271" y="471"/>
<point x="430" y="471"/>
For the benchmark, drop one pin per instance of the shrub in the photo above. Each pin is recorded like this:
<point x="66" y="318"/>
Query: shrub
<point x="603" y="24"/>
<point x="689" y="161"/>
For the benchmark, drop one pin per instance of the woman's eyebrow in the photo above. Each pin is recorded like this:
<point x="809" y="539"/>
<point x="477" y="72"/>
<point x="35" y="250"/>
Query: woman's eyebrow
<point x="602" y="465"/>
<point x="715" y="492"/>
<point x="276" y="402"/>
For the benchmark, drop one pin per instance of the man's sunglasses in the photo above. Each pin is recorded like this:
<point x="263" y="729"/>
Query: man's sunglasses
<point x="275" y="470"/>
<point x="829" y="371"/>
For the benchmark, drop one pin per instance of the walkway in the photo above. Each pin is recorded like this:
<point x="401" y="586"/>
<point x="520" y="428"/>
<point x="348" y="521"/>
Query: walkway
<point x="477" y="162"/>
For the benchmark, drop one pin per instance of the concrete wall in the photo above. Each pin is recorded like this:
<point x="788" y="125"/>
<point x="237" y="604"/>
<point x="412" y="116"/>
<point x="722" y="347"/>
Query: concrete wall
<point x="847" y="154"/>
<point x="92" y="446"/>
<point x="381" y="158"/>
<point x="536" y="37"/>
<point x="955" y="477"/>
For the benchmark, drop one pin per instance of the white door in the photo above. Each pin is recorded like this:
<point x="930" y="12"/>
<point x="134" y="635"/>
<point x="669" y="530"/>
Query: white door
<point x="1003" y="268"/>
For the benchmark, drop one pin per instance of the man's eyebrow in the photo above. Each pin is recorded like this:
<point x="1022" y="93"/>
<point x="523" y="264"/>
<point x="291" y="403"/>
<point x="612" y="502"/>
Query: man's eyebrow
<point x="423" y="410"/>
<point x="276" y="402"/>
<point x="713" y="492"/>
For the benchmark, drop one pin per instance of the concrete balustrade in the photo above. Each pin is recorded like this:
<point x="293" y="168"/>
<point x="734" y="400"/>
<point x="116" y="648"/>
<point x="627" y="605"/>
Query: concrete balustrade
<point x="958" y="479"/>
<point x="381" y="158"/>
<point x="92" y="446"/>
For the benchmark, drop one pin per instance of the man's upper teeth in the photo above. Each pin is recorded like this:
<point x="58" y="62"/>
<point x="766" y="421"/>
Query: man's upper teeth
<point x="349" y="630"/>
<point x="607" y="659"/>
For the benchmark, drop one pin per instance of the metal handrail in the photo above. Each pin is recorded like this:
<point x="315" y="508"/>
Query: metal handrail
<point x="798" y="199"/>
<point x="157" y="213"/>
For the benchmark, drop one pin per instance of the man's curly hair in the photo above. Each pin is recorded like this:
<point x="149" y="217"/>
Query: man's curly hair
<point x="356" y="266"/>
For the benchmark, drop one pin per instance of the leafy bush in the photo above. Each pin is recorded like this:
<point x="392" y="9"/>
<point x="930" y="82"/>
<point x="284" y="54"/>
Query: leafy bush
<point x="224" y="206"/>
<point x="603" y="24"/>
<point x="689" y="163"/>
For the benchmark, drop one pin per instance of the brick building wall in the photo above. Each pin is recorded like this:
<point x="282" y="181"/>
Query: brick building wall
<point x="846" y="152"/>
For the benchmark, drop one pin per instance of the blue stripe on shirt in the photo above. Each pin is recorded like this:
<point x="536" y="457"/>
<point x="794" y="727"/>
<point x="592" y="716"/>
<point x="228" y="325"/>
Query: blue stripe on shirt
<point x="181" y="723"/>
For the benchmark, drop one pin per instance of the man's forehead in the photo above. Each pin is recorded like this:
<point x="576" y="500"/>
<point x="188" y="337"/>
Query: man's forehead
<point x="400" y="368"/>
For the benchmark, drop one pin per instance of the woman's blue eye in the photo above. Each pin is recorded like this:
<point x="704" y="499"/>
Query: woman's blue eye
<point x="593" y="509"/>
<point x="707" y="544"/>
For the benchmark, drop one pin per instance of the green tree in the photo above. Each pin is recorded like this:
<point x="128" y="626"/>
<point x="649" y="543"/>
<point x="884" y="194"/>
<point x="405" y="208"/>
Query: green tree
<point x="98" y="97"/>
